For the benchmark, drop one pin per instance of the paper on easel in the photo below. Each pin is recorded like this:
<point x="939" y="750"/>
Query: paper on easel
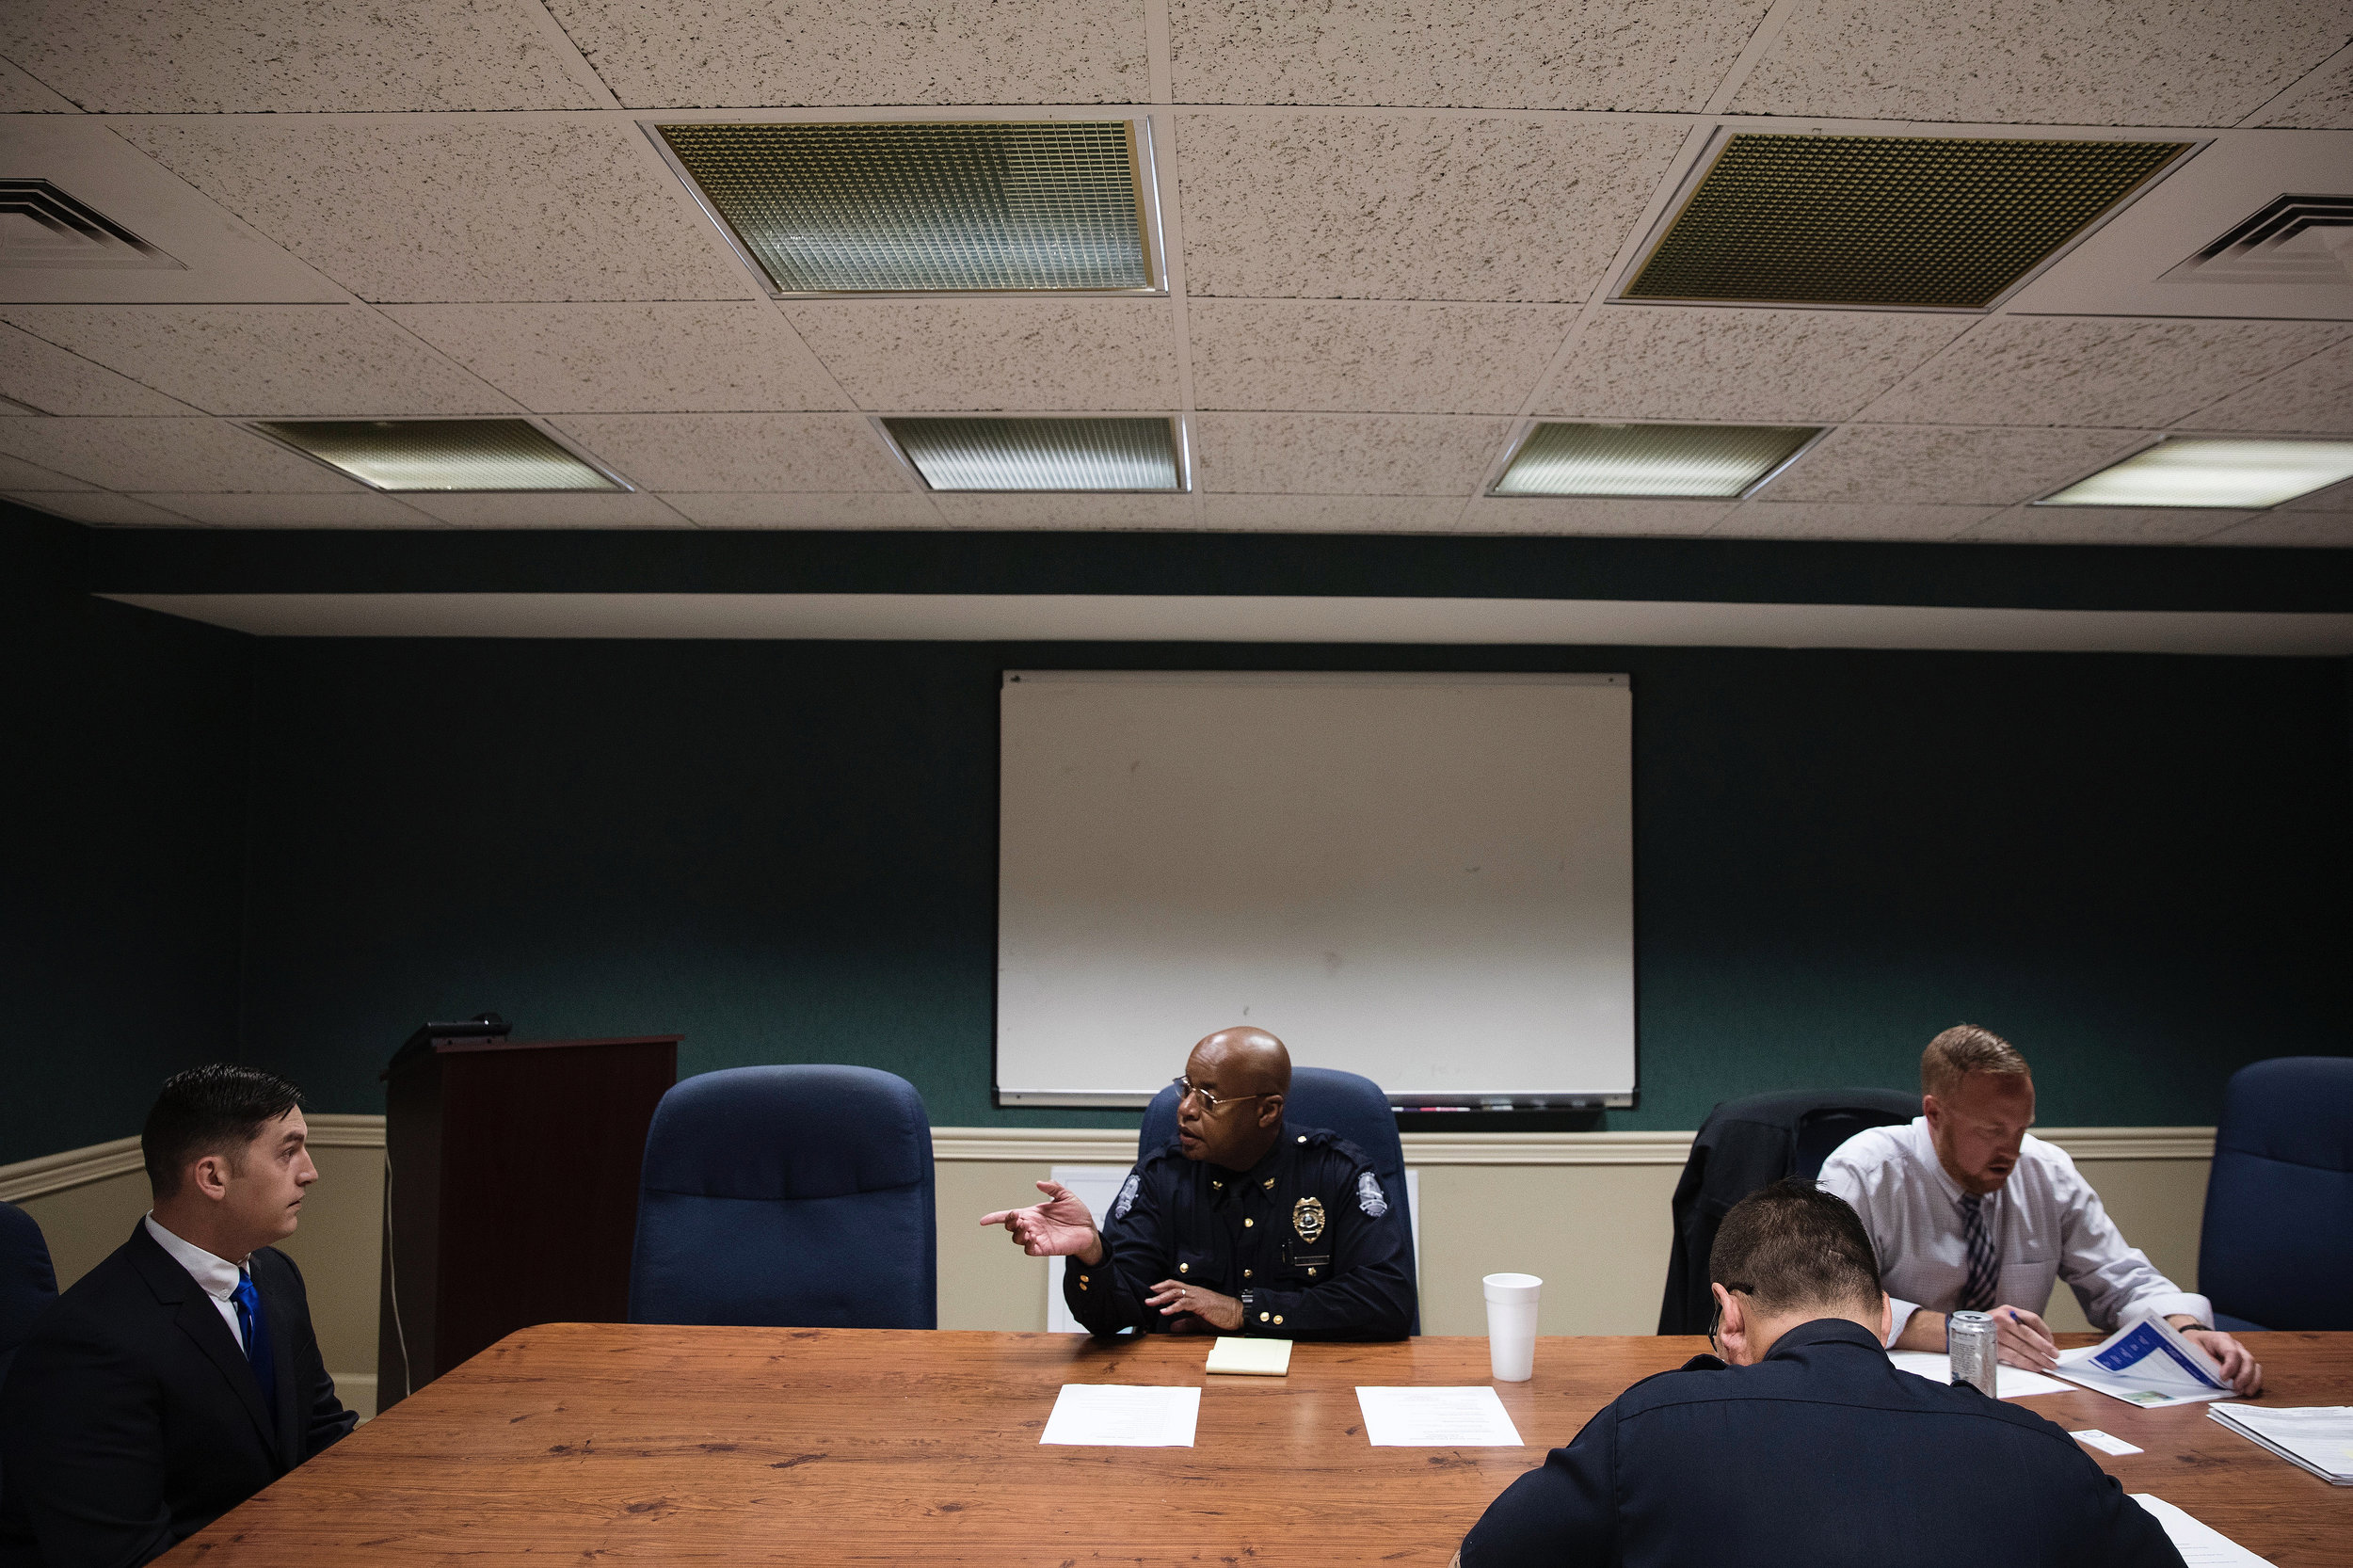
<point x="2148" y="1364"/>
<point x="1255" y="1358"/>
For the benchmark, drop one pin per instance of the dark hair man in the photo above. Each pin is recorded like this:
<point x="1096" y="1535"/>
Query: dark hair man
<point x="1969" y="1213"/>
<point x="1810" y="1447"/>
<point x="1244" y="1225"/>
<point x="179" y="1376"/>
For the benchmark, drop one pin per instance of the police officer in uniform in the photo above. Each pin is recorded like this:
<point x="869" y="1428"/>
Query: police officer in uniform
<point x="1245" y="1225"/>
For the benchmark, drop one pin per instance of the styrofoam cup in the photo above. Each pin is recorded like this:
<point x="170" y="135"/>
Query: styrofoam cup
<point x="1511" y="1325"/>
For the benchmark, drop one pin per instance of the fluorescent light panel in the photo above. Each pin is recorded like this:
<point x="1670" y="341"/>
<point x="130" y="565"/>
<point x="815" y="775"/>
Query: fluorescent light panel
<point x="441" y="454"/>
<point x="1559" y="458"/>
<point x="997" y="453"/>
<point x="927" y="206"/>
<point x="2230" y="474"/>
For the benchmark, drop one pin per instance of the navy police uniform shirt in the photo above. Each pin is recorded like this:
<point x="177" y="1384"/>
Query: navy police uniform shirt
<point x="1305" y="1239"/>
<point x="1823" y="1455"/>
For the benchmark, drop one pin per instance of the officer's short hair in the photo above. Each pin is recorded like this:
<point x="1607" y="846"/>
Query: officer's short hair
<point x="1962" y="1049"/>
<point x="1792" y="1245"/>
<point x="218" y="1109"/>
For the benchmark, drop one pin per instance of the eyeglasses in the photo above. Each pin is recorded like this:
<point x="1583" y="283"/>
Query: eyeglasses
<point x="1187" y="1089"/>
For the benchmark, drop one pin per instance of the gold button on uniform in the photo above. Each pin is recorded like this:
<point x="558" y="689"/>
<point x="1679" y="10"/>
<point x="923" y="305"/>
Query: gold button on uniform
<point x="1245" y="1273"/>
<point x="1184" y="1268"/>
<point x="1311" y="1273"/>
<point x="1262" y="1317"/>
<point x="1247" y="1224"/>
<point x="1278" y="1319"/>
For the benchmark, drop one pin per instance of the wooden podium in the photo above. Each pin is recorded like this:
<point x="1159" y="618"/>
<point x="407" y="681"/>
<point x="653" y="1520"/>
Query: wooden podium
<point x="511" y="1197"/>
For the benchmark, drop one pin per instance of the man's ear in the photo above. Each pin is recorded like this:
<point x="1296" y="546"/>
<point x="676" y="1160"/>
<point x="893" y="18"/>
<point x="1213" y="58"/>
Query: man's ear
<point x="208" y="1177"/>
<point x="1887" y="1316"/>
<point x="1732" y="1318"/>
<point x="1271" y="1110"/>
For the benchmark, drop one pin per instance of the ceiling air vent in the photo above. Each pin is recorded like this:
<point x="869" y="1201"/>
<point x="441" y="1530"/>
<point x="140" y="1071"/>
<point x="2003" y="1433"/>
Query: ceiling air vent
<point x="1895" y="222"/>
<point x="2297" y="239"/>
<point x="1559" y="458"/>
<point x="441" y="454"/>
<point x="996" y="454"/>
<point x="932" y="207"/>
<point x="41" y="226"/>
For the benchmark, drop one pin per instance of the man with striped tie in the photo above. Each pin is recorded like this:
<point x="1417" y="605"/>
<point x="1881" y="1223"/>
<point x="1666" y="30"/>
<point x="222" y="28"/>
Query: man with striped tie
<point x="1970" y="1214"/>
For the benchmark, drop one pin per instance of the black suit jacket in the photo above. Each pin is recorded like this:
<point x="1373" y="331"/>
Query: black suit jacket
<point x="131" y="1419"/>
<point x="1822" y="1454"/>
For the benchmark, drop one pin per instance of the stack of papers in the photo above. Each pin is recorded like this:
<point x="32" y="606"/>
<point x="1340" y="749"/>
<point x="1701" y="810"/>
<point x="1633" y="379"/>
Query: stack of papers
<point x="2318" y="1438"/>
<point x="1436" y="1418"/>
<point x="1119" y="1415"/>
<point x="2148" y="1364"/>
<point x="2009" y="1382"/>
<point x="2201" y="1545"/>
<point x="1258" y="1358"/>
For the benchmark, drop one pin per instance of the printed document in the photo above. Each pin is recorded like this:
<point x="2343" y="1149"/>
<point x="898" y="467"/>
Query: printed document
<point x="2148" y="1364"/>
<point x="1436" y="1418"/>
<point x="1122" y="1416"/>
<point x="2201" y="1545"/>
<point x="2319" y="1437"/>
<point x="2009" y="1382"/>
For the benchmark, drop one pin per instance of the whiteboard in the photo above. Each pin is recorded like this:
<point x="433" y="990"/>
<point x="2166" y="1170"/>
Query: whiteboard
<point x="1427" y="879"/>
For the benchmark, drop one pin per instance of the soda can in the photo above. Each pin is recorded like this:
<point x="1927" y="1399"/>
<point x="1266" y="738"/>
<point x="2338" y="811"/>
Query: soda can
<point x="1970" y="1341"/>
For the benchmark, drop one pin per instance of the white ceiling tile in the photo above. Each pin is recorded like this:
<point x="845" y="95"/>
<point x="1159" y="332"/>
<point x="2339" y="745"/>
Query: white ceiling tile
<point x="1330" y="514"/>
<point x="1347" y="454"/>
<point x="767" y="453"/>
<point x="2302" y="530"/>
<point x="1026" y="354"/>
<point x="1066" y="511"/>
<point x="267" y="360"/>
<point x="100" y="508"/>
<point x="1370" y="355"/>
<point x="1594" y="515"/>
<point x="458" y="209"/>
<point x="716" y="356"/>
<point x="1953" y="467"/>
<point x="1722" y="364"/>
<point x="155" y="455"/>
<point x="365" y="509"/>
<point x="1411" y="206"/>
<point x="2311" y="398"/>
<point x="165" y="57"/>
<point x="1831" y="519"/>
<point x="18" y="474"/>
<point x="550" y="509"/>
<point x="2324" y="98"/>
<point x="58" y="382"/>
<point x="672" y="54"/>
<point x="851" y="509"/>
<point x="2183" y="62"/>
<point x="1665" y="55"/>
<point x="21" y="94"/>
<point x="2053" y="369"/>
<point x="2103" y="525"/>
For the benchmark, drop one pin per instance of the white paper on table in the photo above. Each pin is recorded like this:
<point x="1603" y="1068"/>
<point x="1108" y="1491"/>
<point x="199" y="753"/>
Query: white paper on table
<point x="1122" y="1416"/>
<point x="1470" y="1417"/>
<point x="2146" y="1363"/>
<point x="2318" y="1438"/>
<point x="2106" y="1442"/>
<point x="2202" y="1546"/>
<point x="2009" y="1382"/>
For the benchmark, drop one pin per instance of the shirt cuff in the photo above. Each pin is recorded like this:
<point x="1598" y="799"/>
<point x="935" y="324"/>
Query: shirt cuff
<point x="2166" y="1303"/>
<point x="1898" y="1314"/>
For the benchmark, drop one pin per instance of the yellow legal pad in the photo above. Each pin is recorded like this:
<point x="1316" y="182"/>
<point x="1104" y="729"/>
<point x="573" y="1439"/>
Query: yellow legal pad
<point x="1257" y="1358"/>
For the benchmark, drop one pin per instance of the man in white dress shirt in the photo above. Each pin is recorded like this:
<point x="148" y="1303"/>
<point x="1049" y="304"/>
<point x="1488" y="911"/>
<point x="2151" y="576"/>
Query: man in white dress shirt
<point x="1969" y="1213"/>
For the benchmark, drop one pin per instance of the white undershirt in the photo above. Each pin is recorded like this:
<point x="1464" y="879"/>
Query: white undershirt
<point x="216" y="1276"/>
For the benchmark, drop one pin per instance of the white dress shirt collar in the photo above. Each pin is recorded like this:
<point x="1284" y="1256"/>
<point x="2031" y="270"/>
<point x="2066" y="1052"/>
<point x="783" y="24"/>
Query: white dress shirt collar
<point x="1923" y="1154"/>
<point x="216" y="1275"/>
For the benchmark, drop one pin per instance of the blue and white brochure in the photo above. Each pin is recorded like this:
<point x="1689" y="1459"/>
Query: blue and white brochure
<point x="2145" y="1363"/>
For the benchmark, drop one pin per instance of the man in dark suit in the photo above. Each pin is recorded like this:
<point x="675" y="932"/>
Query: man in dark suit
<point x="179" y="1376"/>
<point x="1810" y="1447"/>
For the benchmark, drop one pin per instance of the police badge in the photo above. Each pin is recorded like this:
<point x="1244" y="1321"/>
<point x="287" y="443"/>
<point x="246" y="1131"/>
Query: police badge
<point x="1307" y="1217"/>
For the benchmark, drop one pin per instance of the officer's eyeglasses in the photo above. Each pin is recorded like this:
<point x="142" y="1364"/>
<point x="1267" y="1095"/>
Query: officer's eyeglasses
<point x="1187" y="1089"/>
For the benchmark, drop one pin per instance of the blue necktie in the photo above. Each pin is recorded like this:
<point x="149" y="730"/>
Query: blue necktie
<point x="1976" y="1293"/>
<point x="254" y="1325"/>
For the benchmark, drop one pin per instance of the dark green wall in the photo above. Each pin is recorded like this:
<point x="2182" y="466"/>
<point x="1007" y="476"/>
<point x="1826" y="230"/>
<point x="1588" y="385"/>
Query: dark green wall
<point x="127" y="748"/>
<point x="2133" y="866"/>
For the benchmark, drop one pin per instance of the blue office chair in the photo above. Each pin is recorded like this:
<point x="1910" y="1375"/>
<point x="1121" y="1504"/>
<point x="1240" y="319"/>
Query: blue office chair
<point x="2276" y="1248"/>
<point x="27" y="1282"/>
<point x="1348" y="1104"/>
<point x="787" y="1197"/>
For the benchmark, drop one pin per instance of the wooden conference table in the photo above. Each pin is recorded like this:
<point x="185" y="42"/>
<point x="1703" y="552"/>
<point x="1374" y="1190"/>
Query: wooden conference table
<point x="601" y="1444"/>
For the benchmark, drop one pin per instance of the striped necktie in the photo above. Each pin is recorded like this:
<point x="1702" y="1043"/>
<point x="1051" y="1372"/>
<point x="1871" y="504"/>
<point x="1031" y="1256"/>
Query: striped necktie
<point x="1976" y="1294"/>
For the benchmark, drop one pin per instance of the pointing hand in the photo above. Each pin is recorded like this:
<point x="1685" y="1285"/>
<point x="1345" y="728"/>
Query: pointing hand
<point x="1059" y="1227"/>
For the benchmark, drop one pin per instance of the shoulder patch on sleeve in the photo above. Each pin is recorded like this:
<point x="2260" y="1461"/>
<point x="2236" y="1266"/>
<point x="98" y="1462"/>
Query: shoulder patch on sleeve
<point x="1126" y="1199"/>
<point x="1369" y="1195"/>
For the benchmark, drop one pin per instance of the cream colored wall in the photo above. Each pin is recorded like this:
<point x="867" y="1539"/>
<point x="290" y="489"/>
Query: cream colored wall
<point x="1595" y="1232"/>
